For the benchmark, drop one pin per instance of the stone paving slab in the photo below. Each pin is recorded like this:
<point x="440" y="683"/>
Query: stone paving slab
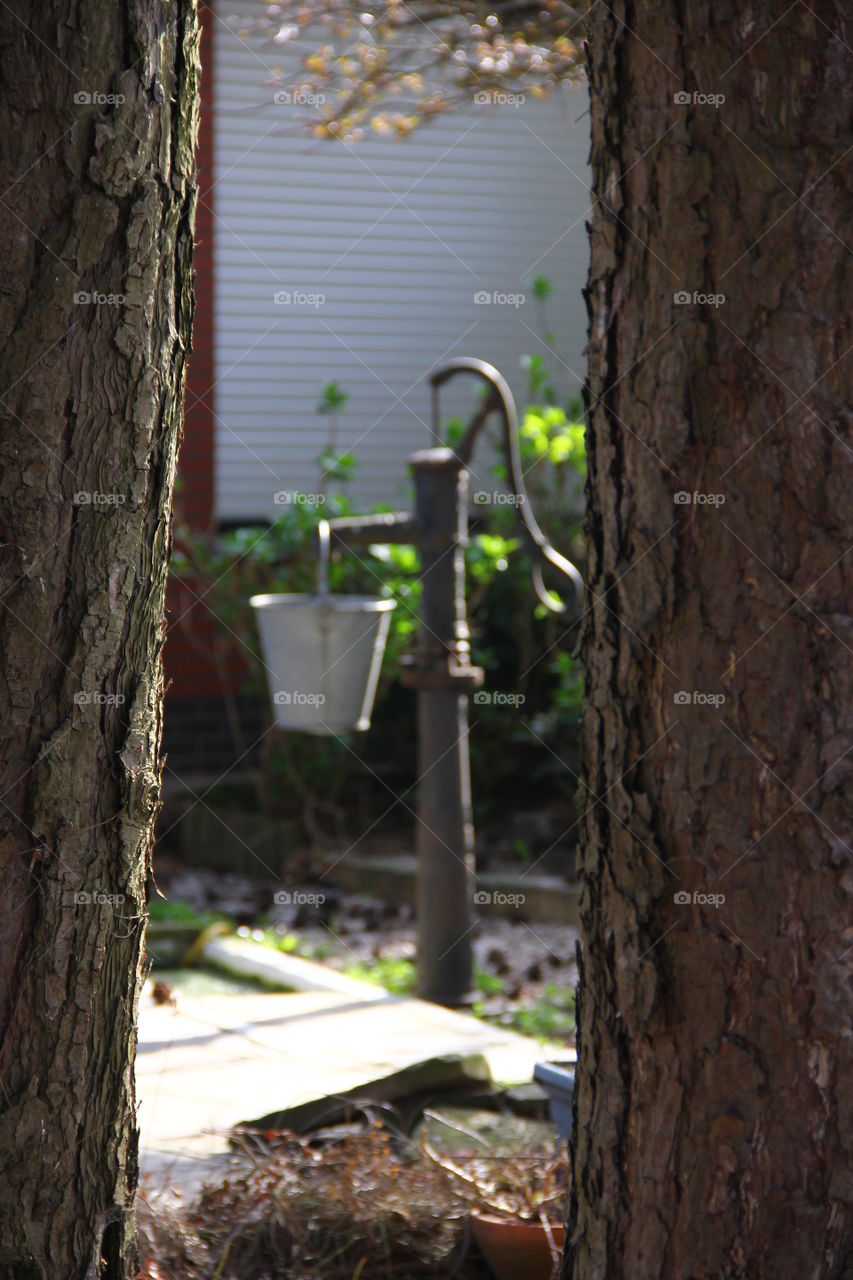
<point x="214" y="1062"/>
<point x="246" y="958"/>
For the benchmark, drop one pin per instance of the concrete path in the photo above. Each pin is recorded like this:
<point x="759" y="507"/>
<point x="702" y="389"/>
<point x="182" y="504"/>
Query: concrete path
<point x="215" y="1062"/>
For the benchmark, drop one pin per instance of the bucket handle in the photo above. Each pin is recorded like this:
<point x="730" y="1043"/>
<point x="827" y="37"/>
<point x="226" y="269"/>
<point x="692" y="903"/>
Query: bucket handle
<point x="324" y="536"/>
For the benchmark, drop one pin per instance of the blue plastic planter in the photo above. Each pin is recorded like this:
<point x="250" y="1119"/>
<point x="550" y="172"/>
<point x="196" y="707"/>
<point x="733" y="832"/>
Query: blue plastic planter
<point x="558" y="1081"/>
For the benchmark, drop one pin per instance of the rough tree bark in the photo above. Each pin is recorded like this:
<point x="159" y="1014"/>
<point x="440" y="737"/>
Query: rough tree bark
<point x="99" y="115"/>
<point x="713" y="1113"/>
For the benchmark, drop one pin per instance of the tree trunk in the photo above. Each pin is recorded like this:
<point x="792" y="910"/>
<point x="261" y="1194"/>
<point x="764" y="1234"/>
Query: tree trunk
<point x="99" y="115"/>
<point x="713" y="1114"/>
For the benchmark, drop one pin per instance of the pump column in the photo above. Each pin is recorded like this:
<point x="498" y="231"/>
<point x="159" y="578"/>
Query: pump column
<point x="441" y="671"/>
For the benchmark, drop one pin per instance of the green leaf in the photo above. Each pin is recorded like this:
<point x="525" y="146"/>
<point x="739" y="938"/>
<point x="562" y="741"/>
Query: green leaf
<point x="332" y="398"/>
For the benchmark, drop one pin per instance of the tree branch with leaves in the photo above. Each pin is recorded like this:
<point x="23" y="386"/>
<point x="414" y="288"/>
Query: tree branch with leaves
<point x="392" y="66"/>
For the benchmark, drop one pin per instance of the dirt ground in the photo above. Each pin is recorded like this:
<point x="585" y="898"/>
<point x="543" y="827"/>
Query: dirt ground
<point x="526" y="969"/>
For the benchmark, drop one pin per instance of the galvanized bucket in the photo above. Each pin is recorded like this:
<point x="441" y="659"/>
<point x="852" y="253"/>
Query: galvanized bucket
<point x="323" y="654"/>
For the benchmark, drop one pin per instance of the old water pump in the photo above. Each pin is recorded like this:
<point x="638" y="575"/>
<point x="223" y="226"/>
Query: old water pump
<point x="332" y="646"/>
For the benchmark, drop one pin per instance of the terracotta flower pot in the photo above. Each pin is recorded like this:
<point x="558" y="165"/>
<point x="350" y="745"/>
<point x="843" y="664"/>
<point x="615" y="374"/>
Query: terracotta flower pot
<point x="515" y="1249"/>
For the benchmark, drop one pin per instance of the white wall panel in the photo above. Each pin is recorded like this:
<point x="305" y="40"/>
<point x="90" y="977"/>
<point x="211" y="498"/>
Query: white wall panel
<point x="398" y="238"/>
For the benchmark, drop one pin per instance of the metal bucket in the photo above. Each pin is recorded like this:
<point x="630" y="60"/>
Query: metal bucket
<point x="323" y="654"/>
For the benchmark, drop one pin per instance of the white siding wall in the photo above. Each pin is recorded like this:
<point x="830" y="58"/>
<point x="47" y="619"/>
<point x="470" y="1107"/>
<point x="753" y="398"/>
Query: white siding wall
<point x="398" y="237"/>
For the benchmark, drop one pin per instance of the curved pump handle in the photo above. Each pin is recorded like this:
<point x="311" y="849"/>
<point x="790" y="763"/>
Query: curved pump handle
<point x="500" y="397"/>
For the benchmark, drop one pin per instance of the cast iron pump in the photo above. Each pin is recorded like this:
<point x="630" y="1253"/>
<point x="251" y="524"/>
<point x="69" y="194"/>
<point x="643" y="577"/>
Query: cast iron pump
<point x="440" y="668"/>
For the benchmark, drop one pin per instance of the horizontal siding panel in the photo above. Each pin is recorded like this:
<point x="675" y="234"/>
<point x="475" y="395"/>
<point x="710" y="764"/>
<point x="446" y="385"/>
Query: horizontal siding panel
<point x="398" y="237"/>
